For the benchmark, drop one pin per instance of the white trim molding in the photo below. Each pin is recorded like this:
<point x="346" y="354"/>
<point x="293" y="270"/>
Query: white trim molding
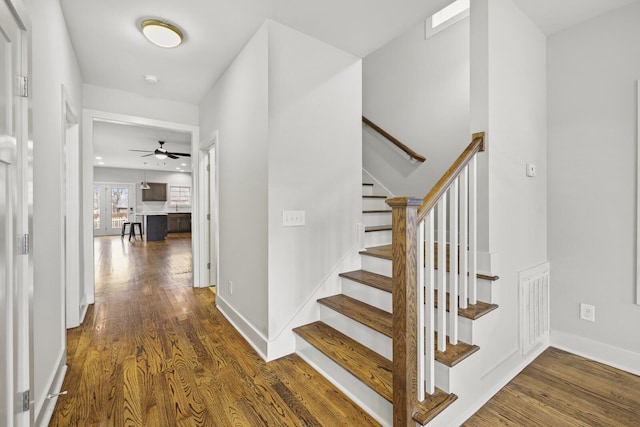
<point x="616" y="357"/>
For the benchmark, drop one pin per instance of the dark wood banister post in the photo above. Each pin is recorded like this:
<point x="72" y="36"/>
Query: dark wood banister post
<point x="405" y="362"/>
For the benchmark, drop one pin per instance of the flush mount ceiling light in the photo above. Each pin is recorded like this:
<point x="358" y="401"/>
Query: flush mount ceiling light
<point x="151" y="79"/>
<point x="161" y="33"/>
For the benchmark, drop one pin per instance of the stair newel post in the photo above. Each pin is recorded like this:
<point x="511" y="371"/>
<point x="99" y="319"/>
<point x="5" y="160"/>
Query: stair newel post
<point x="405" y="321"/>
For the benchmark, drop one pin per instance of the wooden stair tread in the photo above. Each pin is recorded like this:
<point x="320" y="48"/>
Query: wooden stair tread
<point x="473" y="311"/>
<point x="368" y="278"/>
<point x="375" y="197"/>
<point x="368" y="366"/>
<point x="367" y="184"/>
<point x="385" y="252"/>
<point x="432" y="406"/>
<point x="372" y="228"/>
<point x="373" y="317"/>
<point x="377" y="211"/>
<point x="454" y="354"/>
<point x="381" y="321"/>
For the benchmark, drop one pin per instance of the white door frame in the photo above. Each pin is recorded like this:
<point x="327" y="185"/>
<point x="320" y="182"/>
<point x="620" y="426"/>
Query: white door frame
<point x="89" y="117"/>
<point x="19" y="283"/>
<point x="210" y="245"/>
<point x="71" y="268"/>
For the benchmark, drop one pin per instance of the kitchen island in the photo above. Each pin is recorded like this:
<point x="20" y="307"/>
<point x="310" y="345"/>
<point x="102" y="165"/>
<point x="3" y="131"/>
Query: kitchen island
<point x="155" y="225"/>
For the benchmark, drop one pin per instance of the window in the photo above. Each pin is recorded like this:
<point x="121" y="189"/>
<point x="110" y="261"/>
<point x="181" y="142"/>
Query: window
<point x="455" y="12"/>
<point x="180" y="196"/>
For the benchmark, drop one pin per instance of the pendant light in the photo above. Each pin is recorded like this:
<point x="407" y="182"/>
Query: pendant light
<point x="144" y="185"/>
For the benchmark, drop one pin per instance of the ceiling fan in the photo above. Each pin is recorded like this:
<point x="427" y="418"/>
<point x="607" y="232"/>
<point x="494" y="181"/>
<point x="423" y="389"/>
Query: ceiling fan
<point x="161" y="153"/>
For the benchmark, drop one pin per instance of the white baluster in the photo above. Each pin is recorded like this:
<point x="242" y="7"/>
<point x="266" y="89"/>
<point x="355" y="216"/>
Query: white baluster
<point x="442" y="273"/>
<point x="473" y="234"/>
<point x="453" y="263"/>
<point x="464" y="237"/>
<point x="429" y="361"/>
<point x="421" y="311"/>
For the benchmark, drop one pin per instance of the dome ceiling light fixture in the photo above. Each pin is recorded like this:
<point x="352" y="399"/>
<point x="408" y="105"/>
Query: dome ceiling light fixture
<point x="161" y="33"/>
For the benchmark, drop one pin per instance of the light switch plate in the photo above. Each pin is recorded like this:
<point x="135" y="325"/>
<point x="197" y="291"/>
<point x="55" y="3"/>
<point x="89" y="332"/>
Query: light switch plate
<point x="293" y="218"/>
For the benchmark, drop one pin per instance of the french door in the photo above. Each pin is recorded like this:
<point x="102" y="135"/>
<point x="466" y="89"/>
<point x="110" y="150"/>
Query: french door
<point x="16" y="277"/>
<point x="112" y="206"/>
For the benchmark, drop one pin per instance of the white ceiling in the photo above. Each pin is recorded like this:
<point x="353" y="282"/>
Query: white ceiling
<point x="556" y="15"/>
<point x="113" y="53"/>
<point x="112" y="142"/>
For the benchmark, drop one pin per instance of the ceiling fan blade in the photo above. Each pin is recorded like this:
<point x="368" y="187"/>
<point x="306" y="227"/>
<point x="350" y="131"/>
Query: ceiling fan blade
<point x="147" y="155"/>
<point x="143" y="151"/>
<point x="181" y="154"/>
<point x="171" y="156"/>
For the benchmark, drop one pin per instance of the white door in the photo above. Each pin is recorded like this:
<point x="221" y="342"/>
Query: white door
<point x="112" y="206"/>
<point x="15" y="180"/>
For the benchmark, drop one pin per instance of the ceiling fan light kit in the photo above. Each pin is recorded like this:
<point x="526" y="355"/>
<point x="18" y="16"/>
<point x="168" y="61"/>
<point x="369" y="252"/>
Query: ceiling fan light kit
<point x="161" y="33"/>
<point x="161" y="153"/>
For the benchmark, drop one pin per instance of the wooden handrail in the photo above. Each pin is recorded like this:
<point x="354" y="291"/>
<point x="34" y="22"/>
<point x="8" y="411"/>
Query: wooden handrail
<point x="432" y="197"/>
<point x="412" y="154"/>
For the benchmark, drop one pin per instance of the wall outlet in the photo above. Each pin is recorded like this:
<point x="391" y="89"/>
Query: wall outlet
<point x="230" y="287"/>
<point x="293" y="218"/>
<point x="531" y="170"/>
<point x="587" y="312"/>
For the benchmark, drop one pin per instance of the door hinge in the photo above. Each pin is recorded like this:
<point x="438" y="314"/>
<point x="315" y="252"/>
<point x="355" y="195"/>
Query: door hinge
<point x="25" y="245"/>
<point x="208" y="266"/>
<point x="23" y="87"/>
<point x="25" y="401"/>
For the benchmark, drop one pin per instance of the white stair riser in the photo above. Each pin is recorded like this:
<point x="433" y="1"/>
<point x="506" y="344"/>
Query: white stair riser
<point x="373" y="204"/>
<point x="361" y="394"/>
<point x="376" y="218"/>
<point x="367" y="190"/>
<point x="372" y="296"/>
<point x="465" y="328"/>
<point x="377" y="265"/>
<point x="377" y="238"/>
<point x="366" y="336"/>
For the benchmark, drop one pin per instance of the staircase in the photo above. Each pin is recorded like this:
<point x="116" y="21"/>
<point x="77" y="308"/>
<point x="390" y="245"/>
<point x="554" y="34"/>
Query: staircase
<point x="352" y="343"/>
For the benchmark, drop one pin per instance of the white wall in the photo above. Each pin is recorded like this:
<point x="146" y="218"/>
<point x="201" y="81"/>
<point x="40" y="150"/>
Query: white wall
<point x="592" y="71"/>
<point x="287" y="113"/>
<point x="418" y="91"/>
<point x="121" y="102"/>
<point x="315" y="109"/>
<point x="237" y="107"/>
<point x="510" y="62"/>
<point x="136" y="176"/>
<point x="54" y="64"/>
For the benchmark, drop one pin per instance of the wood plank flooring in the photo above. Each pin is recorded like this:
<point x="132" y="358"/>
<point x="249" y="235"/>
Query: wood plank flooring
<point x="561" y="389"/>
<point x="153" y="351"/>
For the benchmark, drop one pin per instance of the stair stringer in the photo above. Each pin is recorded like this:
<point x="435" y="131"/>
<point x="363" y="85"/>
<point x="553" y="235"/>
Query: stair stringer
<point x="284" y="342"/>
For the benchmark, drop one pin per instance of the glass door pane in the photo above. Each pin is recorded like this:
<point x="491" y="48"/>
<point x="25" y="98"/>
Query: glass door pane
<point x="119" y="207"/>
<point x="96" y="207"/>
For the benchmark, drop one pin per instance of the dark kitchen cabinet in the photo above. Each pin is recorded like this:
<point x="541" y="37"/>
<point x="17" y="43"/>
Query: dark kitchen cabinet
<point x="179" y="223"/>
<point x="156" y="193"/>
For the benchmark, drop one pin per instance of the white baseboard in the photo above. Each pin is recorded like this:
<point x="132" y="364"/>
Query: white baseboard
<point x="43" y="409"/>
<point x="600" y="352"/>
<point x="254" y="337"/>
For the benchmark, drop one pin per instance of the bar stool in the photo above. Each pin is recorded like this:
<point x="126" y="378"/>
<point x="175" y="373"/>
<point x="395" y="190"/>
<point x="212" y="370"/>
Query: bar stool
<point x="124" y="229"/>
<point x="132" y="231"/>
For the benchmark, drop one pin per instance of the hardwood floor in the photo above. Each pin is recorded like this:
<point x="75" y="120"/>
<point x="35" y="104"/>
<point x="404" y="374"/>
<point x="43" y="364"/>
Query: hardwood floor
<point x="153" y="351"/>
<point x="561" y="389"/>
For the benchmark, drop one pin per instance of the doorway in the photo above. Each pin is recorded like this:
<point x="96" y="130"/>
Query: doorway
<point x="112" y="207"/>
